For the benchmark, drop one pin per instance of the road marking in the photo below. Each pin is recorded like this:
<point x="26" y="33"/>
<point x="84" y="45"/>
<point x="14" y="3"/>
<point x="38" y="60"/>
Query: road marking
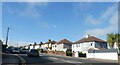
<point x="23" y="60"/>
<point x="69" y="61"/>
<point x="53" y="58"/>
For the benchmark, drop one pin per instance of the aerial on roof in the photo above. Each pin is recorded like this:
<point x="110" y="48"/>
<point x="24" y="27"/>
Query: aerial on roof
<point x="90" y="39"/>
<point x="64" y="41"/>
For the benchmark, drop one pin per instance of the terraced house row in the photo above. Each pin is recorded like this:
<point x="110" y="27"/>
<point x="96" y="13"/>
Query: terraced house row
<point x="82" y="45"/>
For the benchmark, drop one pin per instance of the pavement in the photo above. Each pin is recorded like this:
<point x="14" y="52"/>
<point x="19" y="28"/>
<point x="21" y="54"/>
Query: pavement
<point x="91" y="60"/>
<point x="10" y="59"/>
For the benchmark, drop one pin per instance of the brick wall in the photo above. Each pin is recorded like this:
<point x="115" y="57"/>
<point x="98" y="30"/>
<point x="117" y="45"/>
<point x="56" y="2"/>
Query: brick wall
<point x="57" y="53"/>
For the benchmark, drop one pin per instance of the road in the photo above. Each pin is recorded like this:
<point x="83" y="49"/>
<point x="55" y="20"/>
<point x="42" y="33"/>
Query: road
<point x="22" y="59"/>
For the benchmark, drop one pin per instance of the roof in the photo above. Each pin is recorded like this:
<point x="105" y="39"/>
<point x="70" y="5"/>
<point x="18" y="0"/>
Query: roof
<point x="89" y="39"/>
<point x="52" y="42"/>
<point x="64" y="41"/>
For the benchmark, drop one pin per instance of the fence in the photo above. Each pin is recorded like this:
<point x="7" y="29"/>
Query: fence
<point x="110" y="54"/>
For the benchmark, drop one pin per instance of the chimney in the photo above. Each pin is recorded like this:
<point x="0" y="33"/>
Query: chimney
<point x="35" y="43"/>
<point x="49" y="40"/>
<point x="41" y="43"/>
<point x="87" y="36"/>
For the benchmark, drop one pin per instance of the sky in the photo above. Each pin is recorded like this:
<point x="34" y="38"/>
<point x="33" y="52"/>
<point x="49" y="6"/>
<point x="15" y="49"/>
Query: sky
<point x="31" y="22"/>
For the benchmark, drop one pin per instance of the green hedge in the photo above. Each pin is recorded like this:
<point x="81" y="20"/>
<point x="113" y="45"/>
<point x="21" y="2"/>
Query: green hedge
<point x="68" y="53"/>
<point x="82" y="54"/>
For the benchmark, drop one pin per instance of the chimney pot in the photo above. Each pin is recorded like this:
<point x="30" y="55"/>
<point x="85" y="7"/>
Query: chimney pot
<point x="87" y="36"/>
<point x="49" y="40"/>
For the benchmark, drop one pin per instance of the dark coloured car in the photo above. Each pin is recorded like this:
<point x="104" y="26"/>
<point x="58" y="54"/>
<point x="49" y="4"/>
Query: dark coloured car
<point x="24" y="51"/>
<point x="33" y="53"/>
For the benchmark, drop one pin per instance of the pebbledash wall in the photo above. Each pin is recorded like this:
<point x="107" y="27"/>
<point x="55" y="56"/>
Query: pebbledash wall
<point x="110" y="54"/>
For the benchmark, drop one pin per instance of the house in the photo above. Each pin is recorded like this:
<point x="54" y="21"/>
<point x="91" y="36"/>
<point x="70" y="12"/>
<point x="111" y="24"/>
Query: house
<point x="33" y="46"/>
<point x="37" y="46"/>
<point x="49" y="44"/>
<point x="26" y="47"/>
<point x="88" y="42"/>
<point x="62" y="45"/>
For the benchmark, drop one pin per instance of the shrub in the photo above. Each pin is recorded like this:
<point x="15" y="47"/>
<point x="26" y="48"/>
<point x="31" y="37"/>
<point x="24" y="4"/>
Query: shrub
<point x="38" y="49"/>
<point x="68" y="53"/>
<point x="82" y="54"/>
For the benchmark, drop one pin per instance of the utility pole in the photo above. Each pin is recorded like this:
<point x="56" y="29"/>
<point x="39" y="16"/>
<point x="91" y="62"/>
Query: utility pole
<point x="7" y="36"/>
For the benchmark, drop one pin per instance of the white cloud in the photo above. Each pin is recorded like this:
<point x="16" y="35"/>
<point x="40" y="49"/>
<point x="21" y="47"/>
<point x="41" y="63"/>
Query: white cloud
<point x="46" y="25"/>
<point x="112" y="17"/>
<point x="81" y="6"/>
<point x="90" y="19"/>
<point x="43" y="25"/>
<point x="54" y="26"/>
<point x="29" y="10"/>
<point x="60" y="0"/>
<point x="104" y="17"/>
<point x="17" y="43"/>
<point x="109" y="12"/>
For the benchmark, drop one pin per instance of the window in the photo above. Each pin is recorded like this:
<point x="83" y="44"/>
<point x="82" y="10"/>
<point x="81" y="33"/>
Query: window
<point x="55" y="45"/>
<point x="91" y="44"/>
<point x="79" y="45"/>
<point x="76" y="45"/>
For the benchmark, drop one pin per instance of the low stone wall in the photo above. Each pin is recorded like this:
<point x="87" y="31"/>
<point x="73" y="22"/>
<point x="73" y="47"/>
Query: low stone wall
<point x="57" y="53"/>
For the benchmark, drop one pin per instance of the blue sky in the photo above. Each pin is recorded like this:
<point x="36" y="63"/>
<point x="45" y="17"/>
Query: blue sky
<point x="36" y="22"/>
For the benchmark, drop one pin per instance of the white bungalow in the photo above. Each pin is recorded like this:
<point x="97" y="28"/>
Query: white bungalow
<point x="88" y="42"/>
<point x="62" y="45"/>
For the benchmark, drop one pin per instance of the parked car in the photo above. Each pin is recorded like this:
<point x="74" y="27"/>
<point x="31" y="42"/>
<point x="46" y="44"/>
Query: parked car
<point x="9" y="50"/>
<point x="24" y="51"/>
<point x="15" y="50"/>
<point x="33" y="53"/>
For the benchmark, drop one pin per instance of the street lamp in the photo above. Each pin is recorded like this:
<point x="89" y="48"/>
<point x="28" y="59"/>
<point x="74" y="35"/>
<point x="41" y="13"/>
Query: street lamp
<point x="7" y="36"/>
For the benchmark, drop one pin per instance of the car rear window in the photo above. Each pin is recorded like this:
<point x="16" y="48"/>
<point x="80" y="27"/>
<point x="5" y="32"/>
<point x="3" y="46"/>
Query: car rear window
<point x="34" y="51"/>
<point x="24" y="49"/>
<point x="15" y="48"/>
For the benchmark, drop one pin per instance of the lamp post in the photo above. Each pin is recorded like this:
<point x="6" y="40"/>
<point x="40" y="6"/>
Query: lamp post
<point x="7" y="36"/>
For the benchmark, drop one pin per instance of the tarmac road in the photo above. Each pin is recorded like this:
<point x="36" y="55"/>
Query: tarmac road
<point x="23" y="59"/>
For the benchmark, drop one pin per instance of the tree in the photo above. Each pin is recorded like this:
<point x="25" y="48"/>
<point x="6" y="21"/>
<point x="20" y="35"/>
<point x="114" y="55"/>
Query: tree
<point x="112" y="38"/>
<point x="117" y="39"/>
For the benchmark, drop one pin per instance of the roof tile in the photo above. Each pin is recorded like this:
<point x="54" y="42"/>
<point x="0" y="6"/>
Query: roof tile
<point x="90" y="39"/>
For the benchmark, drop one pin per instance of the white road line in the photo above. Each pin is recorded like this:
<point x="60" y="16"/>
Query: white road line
<point x="69" y="61"/>
<point x="23" y="60"/>
<point x="53" y="58"/>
